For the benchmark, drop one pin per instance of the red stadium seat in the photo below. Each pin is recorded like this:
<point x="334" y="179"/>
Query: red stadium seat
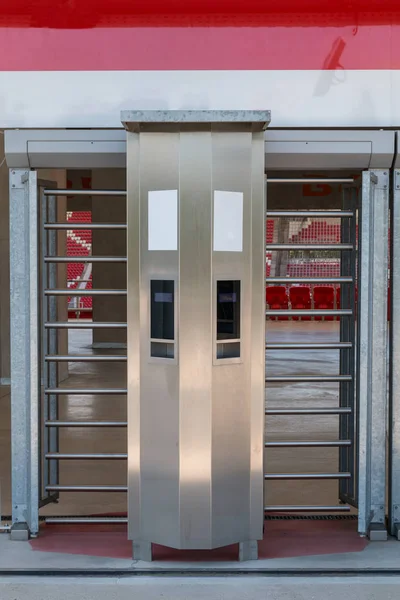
<point x="277" y="299"/>
<point x="300" y="299"/>
<point x="324" y="299"/>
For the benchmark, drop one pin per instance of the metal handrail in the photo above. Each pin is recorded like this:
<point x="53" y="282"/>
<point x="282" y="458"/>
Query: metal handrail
<point x="86" y="488"/>
<point x="312" y="312"/>
<point x="319" y="247"/>
<point x="85" y="259"/>
<point x="310" y="214"/>
<point x="85" y="358"/>
<point x="98" y="456"/>
<point x="85" y="391"/>
<point x="345" y="410"/>
<point x="280" y="476"/>
<point x="61" y="192"/>
<point x="308" y="444"/>
<point x="84" y="325"/>
<point x="316" y="280"/>
<point x="71" y="225"/>
<point x="308" y="378"/>
<point x="84" y="292"/>
<point x="308" y="346"/>
<point x="86" y="423"/>
<point x="306" y="508"/>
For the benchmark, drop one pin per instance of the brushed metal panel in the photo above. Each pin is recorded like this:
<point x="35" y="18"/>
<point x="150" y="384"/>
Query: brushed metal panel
<point x="231" y="382"/>
<point x="133" y="336"/>
<point x="195" y="340"/>
<point x="257" y="350"/>
<point x="159" y="416"/>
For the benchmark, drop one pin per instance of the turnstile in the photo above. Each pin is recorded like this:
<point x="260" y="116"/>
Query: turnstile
<point x="191" y="323"/>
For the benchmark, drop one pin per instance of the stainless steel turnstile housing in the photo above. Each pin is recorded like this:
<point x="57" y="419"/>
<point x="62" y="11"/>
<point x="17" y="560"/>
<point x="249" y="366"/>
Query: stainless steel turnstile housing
<point x="196" y="222"/>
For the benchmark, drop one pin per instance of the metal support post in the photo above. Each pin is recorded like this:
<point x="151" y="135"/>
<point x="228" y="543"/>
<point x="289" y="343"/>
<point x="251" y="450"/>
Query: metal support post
<point x="394" y="402"/>
<point x="25" y="378"/>
<point x="347" y="488"/>
<point x="49" y="341"/>
<point x="372" y="355"/>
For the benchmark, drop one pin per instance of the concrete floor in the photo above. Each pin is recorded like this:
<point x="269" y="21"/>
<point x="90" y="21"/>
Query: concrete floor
<point x="114" y="440"/>
<point x="216" y="588"/>
<point x="252" y="588"/>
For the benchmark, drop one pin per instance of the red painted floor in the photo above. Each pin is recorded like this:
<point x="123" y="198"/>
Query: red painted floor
<point x="282" y="539"/>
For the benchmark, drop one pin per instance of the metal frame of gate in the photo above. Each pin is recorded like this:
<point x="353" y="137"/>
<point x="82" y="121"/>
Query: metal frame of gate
<point x="394" y="404"/>
<point x="26" y="350"/>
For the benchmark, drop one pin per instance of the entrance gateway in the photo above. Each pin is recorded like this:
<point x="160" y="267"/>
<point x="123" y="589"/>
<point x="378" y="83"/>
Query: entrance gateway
<point x="196" y="329"/>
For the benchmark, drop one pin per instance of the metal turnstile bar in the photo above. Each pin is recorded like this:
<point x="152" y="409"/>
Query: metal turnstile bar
<point x="85" y="391"/>
<point x="103" y="456"/>
<point x="282" y="508"/>
<point x="341" y="312"/>
<point x="84" y="325"/>
<point x="84" y="226"/>
<point x="84" y="292"/>
<point x="309" y="346"/>
<point x="59" y="192"/>
<point x="317" y="247"/>
<point x="311" y="180"/>
<point x="94" y="520"/>
<point x="308" y="378"/>
<point x="85" y="259"/>
<point x="308" y="444"/>
<point x="308" y="411"/>
<point x="322" y="214"/>
<point x="85" y="423"/>
<point x="307" y="475"/>
<point x="86" y="488"/>
<point x="83" y="358"/>
<point x="316" y="280"/>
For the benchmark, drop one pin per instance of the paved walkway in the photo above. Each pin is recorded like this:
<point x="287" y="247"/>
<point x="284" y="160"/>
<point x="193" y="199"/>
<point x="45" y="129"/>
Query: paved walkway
<point x="247" y="588"/>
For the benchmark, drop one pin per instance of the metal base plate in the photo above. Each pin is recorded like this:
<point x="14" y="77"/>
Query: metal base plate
<point x="377" y="532"/>
<point x="19" y="532"/>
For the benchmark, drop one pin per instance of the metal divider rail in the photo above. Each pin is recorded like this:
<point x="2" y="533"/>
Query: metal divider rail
<point x="346" y="346"/>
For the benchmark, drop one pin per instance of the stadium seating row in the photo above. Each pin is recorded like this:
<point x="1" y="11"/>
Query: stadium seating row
<point x="301" y="297"/>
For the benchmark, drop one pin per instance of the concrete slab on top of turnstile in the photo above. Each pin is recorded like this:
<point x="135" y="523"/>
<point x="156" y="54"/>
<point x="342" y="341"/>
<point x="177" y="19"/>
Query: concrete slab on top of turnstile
<point x="137" y="120"/>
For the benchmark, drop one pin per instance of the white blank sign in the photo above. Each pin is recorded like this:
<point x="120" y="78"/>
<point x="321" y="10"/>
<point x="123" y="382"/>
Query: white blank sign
<point x="228" y="221"/>
<point x="163" y="220"/>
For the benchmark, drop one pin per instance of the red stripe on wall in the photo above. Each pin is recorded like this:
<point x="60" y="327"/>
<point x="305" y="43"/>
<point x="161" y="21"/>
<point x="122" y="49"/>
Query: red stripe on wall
<point x="200" y="48"/>
<point x="23" y="12"/>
